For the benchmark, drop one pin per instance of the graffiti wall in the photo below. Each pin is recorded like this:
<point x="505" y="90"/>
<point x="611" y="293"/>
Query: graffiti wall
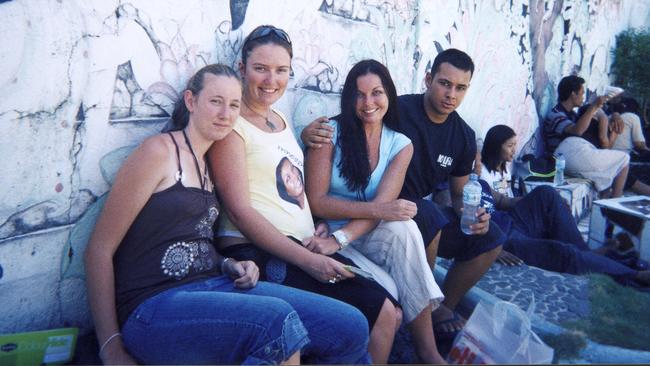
<point x="82" y="82"/>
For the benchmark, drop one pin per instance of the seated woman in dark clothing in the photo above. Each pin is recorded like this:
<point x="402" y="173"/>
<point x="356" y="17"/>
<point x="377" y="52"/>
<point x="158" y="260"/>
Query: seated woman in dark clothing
<point x="158" y="290"/>
<point x="540" y="229"/>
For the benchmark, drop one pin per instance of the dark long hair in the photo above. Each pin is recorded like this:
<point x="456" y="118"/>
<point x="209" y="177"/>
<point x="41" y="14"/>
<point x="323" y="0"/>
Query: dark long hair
<point x="491" y="153"/>
<point x="354" y="165"/>
<point x="181" y="116"/>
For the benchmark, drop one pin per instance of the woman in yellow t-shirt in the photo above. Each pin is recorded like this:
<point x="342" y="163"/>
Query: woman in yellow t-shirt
<point x="264" y="222"/>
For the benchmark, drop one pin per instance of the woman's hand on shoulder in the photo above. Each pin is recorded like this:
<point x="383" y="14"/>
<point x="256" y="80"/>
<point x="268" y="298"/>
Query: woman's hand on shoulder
<point x="244" y="273"/>
<point x="317" y="133"/>
<point x="396" y="210"/>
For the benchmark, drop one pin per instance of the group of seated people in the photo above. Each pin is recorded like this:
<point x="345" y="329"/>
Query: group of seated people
<point x="594" y="144"/>
<point x="221" y="243"/>
<point x="540" y="229"/>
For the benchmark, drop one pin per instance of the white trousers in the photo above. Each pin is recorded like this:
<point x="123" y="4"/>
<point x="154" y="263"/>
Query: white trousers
<point x="397" y="248"/>
<point x="585" y="160"/>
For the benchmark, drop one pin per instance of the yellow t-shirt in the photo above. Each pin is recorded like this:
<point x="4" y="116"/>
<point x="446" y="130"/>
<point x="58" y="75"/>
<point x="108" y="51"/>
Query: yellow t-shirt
<point x="274" y="163"/>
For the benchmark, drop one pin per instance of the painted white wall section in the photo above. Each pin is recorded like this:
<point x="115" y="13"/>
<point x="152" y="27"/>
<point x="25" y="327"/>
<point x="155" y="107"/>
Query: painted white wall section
<point x="83" y="81"/>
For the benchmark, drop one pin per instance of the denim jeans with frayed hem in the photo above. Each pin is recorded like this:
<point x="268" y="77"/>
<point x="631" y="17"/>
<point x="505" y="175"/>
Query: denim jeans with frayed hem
<point x="212" y="322"/>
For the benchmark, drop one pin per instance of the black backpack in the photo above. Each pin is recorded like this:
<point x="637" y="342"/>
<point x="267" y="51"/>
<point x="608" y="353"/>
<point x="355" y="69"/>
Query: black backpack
<point x="531" y="168"/>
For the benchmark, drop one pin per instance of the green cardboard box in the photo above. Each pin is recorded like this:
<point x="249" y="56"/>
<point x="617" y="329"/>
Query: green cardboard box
<point x="52" y="346"/>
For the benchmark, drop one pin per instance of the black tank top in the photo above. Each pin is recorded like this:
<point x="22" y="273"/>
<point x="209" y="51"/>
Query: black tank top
<point x="169" y="244"/>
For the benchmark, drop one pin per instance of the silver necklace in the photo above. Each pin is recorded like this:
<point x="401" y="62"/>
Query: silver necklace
<point x="268" y="122"/>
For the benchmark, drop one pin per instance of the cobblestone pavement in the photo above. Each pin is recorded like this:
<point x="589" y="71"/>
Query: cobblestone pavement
<point x="558" y="297"/>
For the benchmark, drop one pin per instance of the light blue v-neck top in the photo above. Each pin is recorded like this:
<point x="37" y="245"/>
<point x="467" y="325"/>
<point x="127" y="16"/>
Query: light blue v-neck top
<point x="391" y="144"/>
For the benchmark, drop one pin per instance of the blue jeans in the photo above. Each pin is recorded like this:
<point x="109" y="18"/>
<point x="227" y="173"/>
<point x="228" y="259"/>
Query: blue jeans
<point x="212" y="322"/>
<point x="544" y="234"/>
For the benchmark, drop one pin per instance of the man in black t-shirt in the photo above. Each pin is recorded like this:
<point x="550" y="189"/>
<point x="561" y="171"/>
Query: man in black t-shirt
<point x="444" y="150"/>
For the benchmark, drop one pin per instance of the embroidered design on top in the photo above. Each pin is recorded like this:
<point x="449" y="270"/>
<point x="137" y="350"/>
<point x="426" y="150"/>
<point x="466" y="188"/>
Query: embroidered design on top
<point x="181" y="256"/>
<point x="204" y="227"/>
<point x="204" y="259"/>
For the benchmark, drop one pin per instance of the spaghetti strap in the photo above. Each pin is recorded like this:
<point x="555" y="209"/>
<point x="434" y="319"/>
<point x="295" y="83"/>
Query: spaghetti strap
<point x="179" y="173"/>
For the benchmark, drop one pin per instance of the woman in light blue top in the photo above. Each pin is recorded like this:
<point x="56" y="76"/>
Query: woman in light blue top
<point x="354" y="184"/>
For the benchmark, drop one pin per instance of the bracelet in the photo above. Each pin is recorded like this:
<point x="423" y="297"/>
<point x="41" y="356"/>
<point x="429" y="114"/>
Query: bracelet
<point x="224" y="263"/>
<point x="117" y="334"/>
<point x="341" y="238"/>
<point x="339" y="244"/>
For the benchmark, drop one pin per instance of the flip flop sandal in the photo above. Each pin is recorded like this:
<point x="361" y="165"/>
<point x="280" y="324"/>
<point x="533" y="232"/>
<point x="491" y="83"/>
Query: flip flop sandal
<point x="442" y="335"/>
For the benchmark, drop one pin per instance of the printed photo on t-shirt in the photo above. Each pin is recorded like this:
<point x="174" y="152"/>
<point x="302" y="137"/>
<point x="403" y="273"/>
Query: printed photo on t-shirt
<point x="290" y="183"/>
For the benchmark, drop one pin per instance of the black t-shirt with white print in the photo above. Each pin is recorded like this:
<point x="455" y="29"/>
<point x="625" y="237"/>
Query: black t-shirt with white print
<point x="439" y="149"/>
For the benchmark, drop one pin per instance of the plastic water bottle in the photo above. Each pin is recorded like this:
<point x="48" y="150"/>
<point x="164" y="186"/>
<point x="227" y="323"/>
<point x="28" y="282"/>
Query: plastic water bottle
<point x="560" y="163"/>
<point x="471" y="202"/>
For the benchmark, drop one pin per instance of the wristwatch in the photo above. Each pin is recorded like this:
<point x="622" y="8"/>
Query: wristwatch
<point x="341" y="238"/>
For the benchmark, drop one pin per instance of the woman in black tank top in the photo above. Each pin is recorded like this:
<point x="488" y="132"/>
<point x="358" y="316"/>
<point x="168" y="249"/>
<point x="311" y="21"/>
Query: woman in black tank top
<point x="158" y="290"/>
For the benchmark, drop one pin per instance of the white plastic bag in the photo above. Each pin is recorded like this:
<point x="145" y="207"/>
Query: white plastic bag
<point x="501" y="334"/>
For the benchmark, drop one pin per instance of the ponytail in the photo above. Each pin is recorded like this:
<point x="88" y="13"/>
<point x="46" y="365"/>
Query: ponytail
<point x="181" y="115"/>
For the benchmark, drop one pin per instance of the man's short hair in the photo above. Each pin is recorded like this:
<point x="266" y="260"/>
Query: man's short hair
<point x="456" y="58"/>
<point x="568" y="84"/>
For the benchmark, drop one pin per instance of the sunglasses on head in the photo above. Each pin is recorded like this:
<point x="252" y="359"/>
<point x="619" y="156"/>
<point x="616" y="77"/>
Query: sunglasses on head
<point x="267" y="30"/>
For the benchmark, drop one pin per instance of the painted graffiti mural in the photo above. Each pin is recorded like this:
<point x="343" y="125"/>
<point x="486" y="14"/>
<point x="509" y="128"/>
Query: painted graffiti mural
<point x="83" y="82"/>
